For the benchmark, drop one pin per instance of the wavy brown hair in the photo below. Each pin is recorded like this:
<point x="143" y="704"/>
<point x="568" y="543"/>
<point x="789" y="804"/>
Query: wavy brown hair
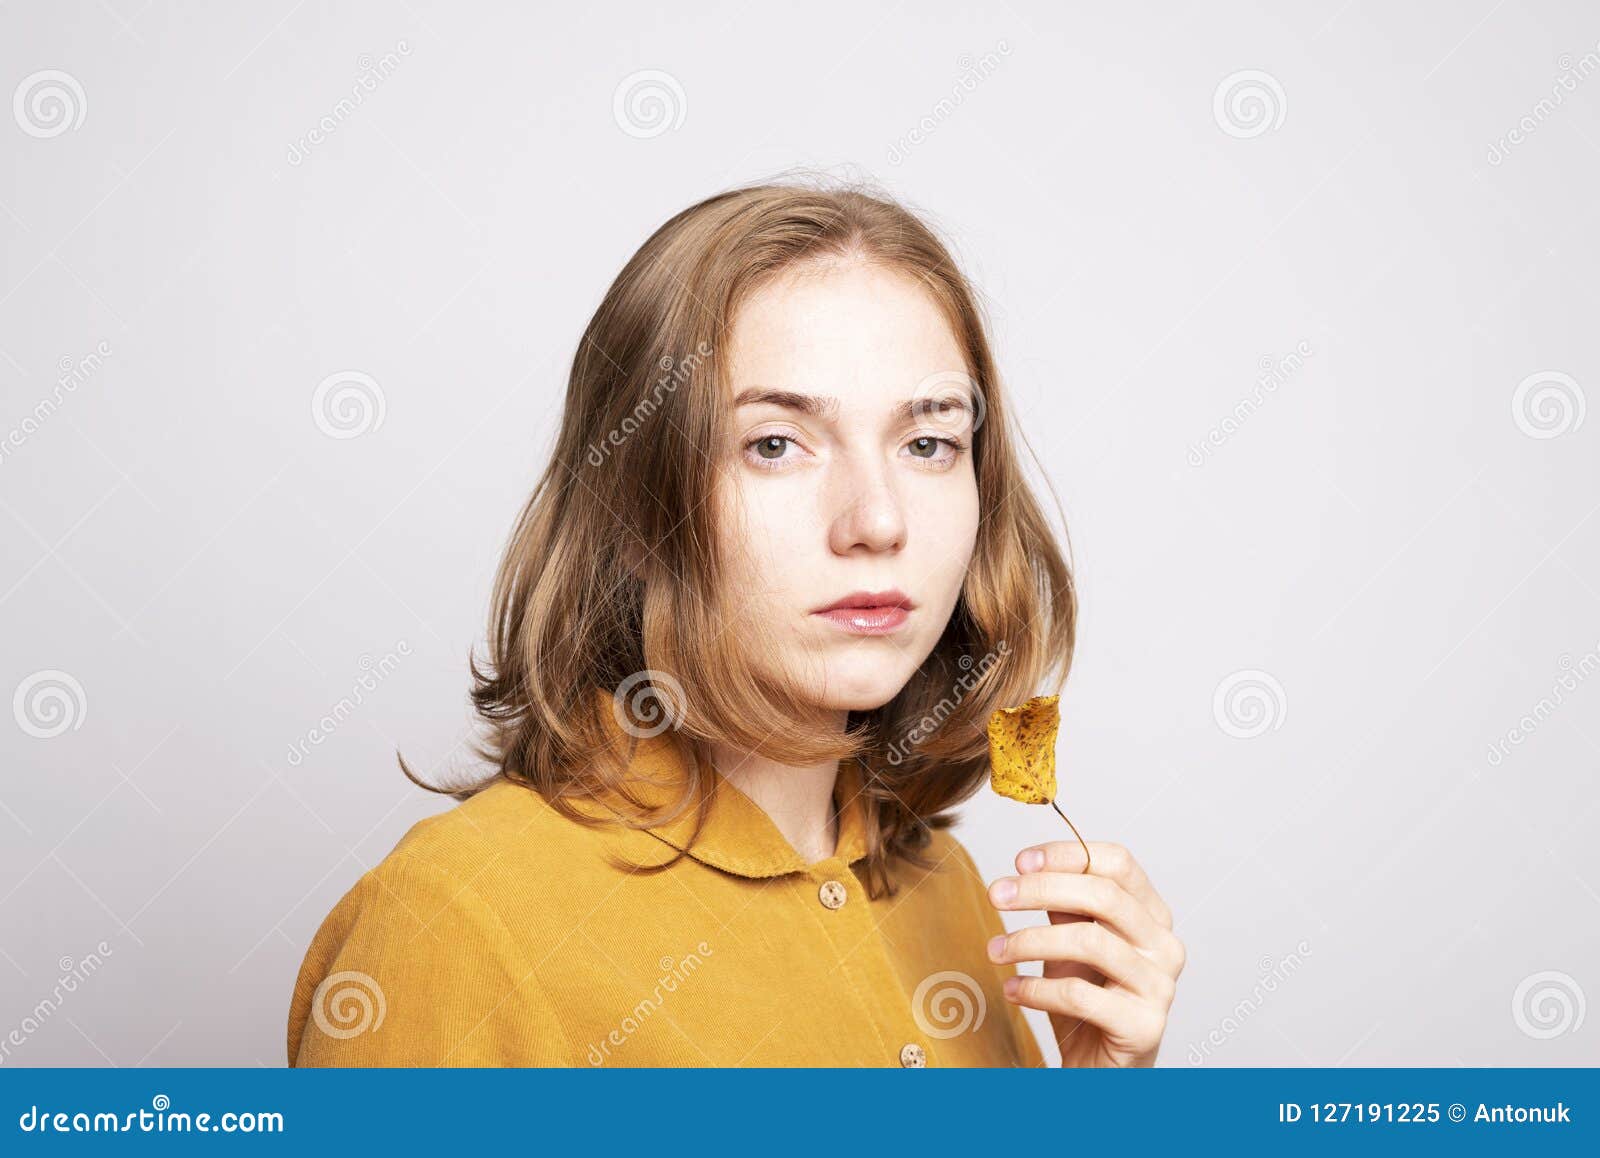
<point x="613" y="578"/>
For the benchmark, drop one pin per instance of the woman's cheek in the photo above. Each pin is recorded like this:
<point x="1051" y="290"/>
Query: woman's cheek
<point x="947" y="522"/>
<point x="776" y="548"/>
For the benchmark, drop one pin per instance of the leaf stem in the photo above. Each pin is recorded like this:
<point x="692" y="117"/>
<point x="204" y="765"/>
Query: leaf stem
<point x="1074" y="827"/>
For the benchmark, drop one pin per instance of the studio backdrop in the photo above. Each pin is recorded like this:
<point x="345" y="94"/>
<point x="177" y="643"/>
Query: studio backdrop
<point x="1295" y="305"/>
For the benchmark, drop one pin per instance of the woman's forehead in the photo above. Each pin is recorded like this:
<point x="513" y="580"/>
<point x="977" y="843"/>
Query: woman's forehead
<point x="862" y="333"/>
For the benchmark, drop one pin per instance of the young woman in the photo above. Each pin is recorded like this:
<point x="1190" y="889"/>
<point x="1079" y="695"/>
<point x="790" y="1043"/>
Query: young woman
<point x="745" y="640"/>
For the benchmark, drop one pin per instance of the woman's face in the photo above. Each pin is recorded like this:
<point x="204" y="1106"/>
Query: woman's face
<point x="831" y="488"/>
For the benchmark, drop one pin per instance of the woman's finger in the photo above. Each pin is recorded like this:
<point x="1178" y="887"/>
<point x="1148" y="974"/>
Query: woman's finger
<point x="1106" y="860"/>
<point x="1123" y="1018"/>
<point x="1089" y="894"/>
<point x="1090" y="944"/>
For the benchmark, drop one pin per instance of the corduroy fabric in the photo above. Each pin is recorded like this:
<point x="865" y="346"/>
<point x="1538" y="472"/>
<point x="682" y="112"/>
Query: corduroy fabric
<point x="496" y="934"/>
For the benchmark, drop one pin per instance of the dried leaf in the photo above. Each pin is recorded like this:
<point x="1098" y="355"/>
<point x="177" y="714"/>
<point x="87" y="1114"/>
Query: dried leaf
<point x="1022" y="750"/>
<point x="1022" y="757"/>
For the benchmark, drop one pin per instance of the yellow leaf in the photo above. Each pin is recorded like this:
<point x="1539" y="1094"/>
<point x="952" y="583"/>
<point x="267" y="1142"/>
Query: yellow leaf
<point x="1022" y="750"/>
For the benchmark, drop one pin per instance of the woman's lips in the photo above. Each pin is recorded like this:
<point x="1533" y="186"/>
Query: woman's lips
<point x="866" y="620"/>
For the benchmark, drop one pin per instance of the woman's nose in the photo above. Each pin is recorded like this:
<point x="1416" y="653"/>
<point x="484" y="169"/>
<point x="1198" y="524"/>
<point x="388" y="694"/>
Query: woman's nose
<point x="868" y="513"/>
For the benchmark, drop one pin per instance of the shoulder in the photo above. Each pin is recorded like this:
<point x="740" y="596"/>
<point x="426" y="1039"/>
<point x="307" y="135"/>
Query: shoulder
<point x="958" y="883"/>
<point x="944" y="879"/>
<point x="502" y="820"/>
<point x="943" y="844"/>
<point x="504" y="859"/>
<point x="429" y="958"/>
<point x="947" y="849"/>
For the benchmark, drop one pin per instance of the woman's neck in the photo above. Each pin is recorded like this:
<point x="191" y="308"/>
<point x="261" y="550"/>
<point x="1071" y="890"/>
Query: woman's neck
<point x="799" y="800"/>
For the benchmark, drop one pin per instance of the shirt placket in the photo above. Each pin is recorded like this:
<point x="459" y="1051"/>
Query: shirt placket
<point x="852" y="925"/>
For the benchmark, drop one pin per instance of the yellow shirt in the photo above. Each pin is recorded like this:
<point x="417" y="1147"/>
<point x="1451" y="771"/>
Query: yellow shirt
<point x="496" y="934"/>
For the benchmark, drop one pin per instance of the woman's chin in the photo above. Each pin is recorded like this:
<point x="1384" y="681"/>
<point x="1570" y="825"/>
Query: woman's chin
<point x="862" y="693"/>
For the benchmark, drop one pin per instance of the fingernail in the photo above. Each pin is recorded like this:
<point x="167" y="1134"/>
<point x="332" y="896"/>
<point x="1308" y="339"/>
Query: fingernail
<point x="1011" y="986"/>
<point x="1005" y="890"/>
<point x="997" y="946"/>
<point x="1031" y="860"/>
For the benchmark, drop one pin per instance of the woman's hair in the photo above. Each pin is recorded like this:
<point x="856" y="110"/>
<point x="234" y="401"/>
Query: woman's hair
<point x="613" y="578"/>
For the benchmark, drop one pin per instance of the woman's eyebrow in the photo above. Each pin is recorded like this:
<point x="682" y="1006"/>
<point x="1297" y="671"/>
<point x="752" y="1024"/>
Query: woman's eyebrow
<point x="820" y="405"/>
<point x="826" y="406"/>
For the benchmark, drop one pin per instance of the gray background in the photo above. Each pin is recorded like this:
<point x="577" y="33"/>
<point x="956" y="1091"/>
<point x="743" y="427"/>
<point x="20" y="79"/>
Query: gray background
<point x="1405" y="548"/>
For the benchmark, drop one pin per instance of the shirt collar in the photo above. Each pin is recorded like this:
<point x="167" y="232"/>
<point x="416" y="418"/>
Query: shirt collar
<point x="738" y="836"/>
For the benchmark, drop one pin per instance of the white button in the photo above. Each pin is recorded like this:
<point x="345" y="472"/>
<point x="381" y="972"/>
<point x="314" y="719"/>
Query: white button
<point x="912" y="1057"/>
<point x="832" y="894"/>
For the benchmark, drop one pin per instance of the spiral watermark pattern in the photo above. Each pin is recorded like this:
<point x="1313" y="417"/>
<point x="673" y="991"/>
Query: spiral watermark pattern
<point x="48" y="704"/>
<point x="1548" y="404"/>
<point x="647" y="703"/>
<point x="1548" y="1004"/>
<point x="958" y="405"/>
<point x="1248" y="103"/>
<point x="348" y="404"/>
<point x="948" y="1004"/>
<point x="348" y="1004"/>
<point x="1249" y="703"/>
<point x="648" y="103"/>
<point x="49" y="103"/>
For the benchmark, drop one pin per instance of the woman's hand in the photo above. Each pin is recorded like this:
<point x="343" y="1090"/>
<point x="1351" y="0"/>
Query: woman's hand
<point x="1111" y="960"/>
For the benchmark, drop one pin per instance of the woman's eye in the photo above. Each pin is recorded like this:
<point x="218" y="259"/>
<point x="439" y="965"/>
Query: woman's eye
<point x="766" y="452"/>
<point x="771" y="446"/>
<point x="937" y="450"/>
